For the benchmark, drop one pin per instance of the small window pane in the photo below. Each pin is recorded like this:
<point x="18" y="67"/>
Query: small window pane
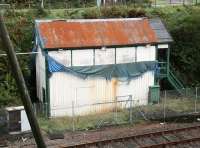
<point x="125" y="55"/>
<point x="63" y="57"/>
<point x="82" y="57"/>
<point x="106" y="56"/>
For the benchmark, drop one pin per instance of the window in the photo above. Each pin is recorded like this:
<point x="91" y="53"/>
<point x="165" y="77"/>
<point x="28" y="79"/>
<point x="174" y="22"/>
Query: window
<point x="82" y="57"/>
<point x="63" y="57"/>
<point x="104" y="56"/>
<point x="125" y="55"/>
<point x="146" y="53"/>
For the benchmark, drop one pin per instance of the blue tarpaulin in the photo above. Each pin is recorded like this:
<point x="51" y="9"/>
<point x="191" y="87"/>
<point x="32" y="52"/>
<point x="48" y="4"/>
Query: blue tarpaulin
<point x="126" y="70"/>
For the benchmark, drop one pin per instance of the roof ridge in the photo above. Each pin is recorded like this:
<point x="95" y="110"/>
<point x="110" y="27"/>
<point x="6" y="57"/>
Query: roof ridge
<point x="90" y="20"/>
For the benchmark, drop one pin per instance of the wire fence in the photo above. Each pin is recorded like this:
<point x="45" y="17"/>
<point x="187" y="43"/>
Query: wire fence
<point x="173" y="106"/>
<point x="3" y="122"/>
<point x="49" y="4"/>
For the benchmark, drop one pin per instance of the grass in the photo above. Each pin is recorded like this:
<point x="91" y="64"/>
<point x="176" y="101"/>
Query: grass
<point x="87" y="122"/>
<point x="140" y="115"/>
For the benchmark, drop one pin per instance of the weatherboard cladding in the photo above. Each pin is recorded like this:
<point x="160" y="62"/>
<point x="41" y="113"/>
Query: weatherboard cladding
<point x="100" y="32"/>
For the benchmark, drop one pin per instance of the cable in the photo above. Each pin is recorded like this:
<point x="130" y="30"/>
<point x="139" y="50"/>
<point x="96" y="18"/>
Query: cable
<point x="21" y="53"/>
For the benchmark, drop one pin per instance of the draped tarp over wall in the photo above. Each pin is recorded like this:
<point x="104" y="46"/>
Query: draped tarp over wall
<point x="127" y="70"/>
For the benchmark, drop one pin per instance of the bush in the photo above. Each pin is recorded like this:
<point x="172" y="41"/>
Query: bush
<point x="136" y="13"/>
<point x="91" y="13"/>
<point x="114" y="12"/>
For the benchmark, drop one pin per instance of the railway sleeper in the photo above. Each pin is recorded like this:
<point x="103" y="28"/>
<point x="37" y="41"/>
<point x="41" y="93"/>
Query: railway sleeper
<point x="131" y="144"/>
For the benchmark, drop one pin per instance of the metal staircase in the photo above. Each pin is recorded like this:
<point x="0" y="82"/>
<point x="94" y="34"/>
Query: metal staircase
<point x="177" y="84"/>
<point x="170" y="75"/>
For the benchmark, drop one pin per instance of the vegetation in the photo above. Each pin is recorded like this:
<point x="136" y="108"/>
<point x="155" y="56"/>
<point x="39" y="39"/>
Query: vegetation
<point x="183" y="23"/>
<point x="140" y="114"/>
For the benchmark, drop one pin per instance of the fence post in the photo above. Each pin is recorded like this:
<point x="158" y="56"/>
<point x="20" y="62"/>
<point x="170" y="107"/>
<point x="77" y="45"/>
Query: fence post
<point x="73" y="115"/>
<point x="164" y="107"/>
<point x="196" y="95"/>
<point x="115" y="109"/>
<point x="131" y="109"/>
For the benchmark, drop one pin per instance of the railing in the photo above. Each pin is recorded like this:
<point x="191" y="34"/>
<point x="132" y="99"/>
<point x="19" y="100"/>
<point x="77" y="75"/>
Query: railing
<point x="176" y="83"/>
<point x="162" y="69"/>
<point x="170" y="75"/>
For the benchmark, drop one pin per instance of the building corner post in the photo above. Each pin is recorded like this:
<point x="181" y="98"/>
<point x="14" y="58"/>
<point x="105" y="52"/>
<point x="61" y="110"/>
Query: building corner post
<point x="47" y="99"/>
<point x="156" y="75"/>
<point x="168" y="60"/>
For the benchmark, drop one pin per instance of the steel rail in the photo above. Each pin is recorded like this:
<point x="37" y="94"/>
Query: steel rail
<point x="170" y="143"/>
<point x="135" y="137"/>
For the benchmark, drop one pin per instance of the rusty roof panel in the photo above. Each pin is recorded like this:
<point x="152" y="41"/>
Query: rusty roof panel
<point x="95" y="33"/>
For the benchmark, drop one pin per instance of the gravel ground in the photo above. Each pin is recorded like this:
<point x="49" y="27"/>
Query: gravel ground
<point x="71" y="138"/>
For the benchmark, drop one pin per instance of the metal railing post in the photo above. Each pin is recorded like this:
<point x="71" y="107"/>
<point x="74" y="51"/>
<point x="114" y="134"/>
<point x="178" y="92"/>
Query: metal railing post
<point x="115" y="110"/>
<point x="164" y="106"/>
<point x="131" y="110"/>
<point x="73" y="115"/>
<point x="196" y="96"/>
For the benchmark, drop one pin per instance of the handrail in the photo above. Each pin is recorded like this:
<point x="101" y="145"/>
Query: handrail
<point x="163" y="68"/>
<point x="174" y="77"/>
<point x="172" y="71"/>
<point x="174" y="85"/>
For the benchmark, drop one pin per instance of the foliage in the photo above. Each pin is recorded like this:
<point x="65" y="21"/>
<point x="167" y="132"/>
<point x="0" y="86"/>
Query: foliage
<point x="184" y="26"/>
<point x="186" y="48"/>
<point x="51" y="4"/>
<point x="182" y="22"/>
<point x="140" y="114"/>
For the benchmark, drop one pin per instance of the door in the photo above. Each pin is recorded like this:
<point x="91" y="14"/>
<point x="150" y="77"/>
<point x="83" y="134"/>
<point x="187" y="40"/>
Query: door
<point x="124" y="94"/>
<point x="14" y="121"/>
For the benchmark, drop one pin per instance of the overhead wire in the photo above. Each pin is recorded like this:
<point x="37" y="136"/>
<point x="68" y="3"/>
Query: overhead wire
<point x="21" y="53"/>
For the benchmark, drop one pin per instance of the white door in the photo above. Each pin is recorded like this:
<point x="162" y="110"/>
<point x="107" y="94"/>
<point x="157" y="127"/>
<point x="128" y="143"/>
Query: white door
<point x="124" y="94"/>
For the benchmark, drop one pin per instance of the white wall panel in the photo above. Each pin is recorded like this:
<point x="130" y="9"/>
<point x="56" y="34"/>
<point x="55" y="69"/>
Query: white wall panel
<point x="82" y="57"/>
<point x="106" y="56"/>
<point x="66" y="88"/>
<point x="25" y="126"/>
<point x="140" y="87"/>
<point x="61" y="95"/>
<point x="63" y="57"/>
<point x="40" y="73"/>
<point x="125" y="55"/>
<point x="146" y="53"/>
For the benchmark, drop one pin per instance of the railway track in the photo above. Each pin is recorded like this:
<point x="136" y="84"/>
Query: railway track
<point x="181" y="137"/>
<point x="3" y="142"/>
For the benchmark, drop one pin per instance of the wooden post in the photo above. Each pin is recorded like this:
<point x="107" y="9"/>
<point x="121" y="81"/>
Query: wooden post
<point x="17" y="73"/>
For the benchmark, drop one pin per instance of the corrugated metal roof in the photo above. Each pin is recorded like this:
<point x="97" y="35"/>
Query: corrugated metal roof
<point x="95" y="33"/>
<point x="160" y="30"/>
